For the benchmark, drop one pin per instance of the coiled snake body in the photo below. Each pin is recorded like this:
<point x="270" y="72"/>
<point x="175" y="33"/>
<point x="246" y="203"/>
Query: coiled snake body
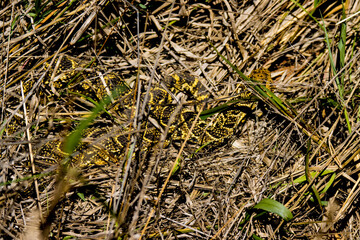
<point x="103" y="144"/>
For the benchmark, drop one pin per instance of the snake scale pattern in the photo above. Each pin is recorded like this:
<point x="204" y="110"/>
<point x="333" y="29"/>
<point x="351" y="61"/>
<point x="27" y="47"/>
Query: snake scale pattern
<point x="102" y="144"/>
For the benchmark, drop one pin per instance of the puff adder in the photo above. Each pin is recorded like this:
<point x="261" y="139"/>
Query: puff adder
<point x="104" y="144"/>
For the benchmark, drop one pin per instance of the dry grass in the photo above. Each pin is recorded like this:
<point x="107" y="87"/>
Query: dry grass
<point x="212" y="194"/>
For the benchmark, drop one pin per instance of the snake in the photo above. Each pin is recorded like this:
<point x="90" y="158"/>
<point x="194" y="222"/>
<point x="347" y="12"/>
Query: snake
<point x="107" y="143"/>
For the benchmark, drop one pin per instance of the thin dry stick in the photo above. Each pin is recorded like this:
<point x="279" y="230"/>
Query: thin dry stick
<point x="142" y="195"/>
<point x="228" y="221"/>
<point x="186" y="226"/>
<point x="139" y="114"/>
<point x="31" y="154"/>
<point x="154" y="166"/>
<point x="131" y="145"/>
<point x="135" y="125"/>
<point x="171" y="171"/>
<point x="307" y="186"/>
<point x="108" y="222"/>
<point x="348" y="200"/>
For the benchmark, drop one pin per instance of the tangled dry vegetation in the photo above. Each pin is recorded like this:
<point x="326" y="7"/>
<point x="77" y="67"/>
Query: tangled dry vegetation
<point x="300" y="147"/>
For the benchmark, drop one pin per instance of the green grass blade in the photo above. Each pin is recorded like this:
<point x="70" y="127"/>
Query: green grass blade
<point x="339" y="83"/>
<point x="341" y="47"/>
<point x="308" y="176"/>
<point x="329" y="183"/>
<point x="73" y="140"/>
<point x="256" y="237"/>
<point x="273" y="206"/>
<point x="223" y="107"/>
<point x="342" y="55"/>
<point x="313" y="174"/>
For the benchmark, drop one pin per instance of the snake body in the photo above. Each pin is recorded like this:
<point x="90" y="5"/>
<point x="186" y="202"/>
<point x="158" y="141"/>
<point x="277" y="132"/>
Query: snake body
<point x="103" y="144"/>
